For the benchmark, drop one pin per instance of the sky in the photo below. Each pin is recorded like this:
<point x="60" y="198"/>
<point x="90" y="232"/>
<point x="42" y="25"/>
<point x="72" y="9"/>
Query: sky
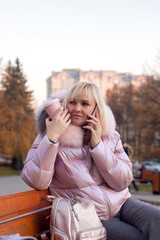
<point x="51" y="35"/>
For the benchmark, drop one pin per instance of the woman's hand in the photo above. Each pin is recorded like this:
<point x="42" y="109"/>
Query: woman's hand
<point x="58" y="125"/>
<point x="95" y="128"/>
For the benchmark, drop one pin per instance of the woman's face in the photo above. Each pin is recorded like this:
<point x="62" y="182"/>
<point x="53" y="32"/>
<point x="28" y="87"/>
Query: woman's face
<point x="80" y="108"/>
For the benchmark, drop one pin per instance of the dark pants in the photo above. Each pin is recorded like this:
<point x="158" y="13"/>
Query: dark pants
<point x="135" y="221"/>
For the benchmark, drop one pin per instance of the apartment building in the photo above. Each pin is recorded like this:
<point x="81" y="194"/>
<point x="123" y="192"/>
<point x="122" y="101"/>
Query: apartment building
<point x="103" y="79"/>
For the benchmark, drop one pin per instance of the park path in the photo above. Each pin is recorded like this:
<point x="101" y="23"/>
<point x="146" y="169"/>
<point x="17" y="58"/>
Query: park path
<point x="13" y="184"/>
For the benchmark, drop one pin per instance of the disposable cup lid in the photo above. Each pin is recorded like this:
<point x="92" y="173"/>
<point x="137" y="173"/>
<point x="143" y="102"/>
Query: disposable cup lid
<point x="48" y="102"/>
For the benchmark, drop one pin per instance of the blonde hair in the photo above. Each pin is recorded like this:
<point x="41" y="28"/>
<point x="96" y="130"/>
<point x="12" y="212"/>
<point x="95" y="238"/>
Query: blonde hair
<point x="85" y="88"/>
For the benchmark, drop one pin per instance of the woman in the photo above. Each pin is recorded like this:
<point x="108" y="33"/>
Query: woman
<point x="68" y="160"/>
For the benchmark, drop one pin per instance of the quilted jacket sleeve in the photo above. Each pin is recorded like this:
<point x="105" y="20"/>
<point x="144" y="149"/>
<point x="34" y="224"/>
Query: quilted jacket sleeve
<point x="39" y="165"/>
<point x="113" y="163"/>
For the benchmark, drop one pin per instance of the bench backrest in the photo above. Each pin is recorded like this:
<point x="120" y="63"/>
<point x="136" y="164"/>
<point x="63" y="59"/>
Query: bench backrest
<point x="147" y="175"/>
<point x="24" y="213"/>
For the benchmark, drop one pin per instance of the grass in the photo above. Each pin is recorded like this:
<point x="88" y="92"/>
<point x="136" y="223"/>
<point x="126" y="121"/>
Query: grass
<point x="142" y="187"/>
<point x="7" y="171"/>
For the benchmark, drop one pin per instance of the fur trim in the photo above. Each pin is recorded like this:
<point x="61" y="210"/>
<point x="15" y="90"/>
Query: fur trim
<point x="41" y="121"/>
<point x="72" y="137"/>
<point x="110" y="123"/>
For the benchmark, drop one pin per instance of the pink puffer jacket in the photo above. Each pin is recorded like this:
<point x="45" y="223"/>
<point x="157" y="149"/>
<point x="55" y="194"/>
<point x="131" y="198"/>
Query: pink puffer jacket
<point x="70" y="168"/>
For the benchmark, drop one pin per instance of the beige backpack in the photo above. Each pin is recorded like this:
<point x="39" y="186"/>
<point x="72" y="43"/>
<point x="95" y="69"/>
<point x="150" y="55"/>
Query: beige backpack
<point x="75" y="219"/>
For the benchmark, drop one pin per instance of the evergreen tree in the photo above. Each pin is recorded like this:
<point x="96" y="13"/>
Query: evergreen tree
<point x="17" y="125"/>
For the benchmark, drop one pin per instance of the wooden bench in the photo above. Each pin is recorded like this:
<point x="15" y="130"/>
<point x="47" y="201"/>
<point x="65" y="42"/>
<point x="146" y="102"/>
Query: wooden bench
<point x="145" y="177"/>
<point x="25" y="213"/>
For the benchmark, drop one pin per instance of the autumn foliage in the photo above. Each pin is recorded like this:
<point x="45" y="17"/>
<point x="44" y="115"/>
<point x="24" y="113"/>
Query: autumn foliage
<point x="137" y="112"/>
<point x="17" y="124"/>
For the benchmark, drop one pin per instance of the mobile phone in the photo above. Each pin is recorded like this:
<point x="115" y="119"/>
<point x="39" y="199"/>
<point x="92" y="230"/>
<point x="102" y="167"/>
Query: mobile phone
<point x="94" y="111"/>
<point x="93" y="114"/>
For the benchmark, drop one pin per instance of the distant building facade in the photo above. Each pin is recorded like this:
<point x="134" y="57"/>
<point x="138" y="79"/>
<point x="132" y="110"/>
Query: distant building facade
<point x="103" y="79"/>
